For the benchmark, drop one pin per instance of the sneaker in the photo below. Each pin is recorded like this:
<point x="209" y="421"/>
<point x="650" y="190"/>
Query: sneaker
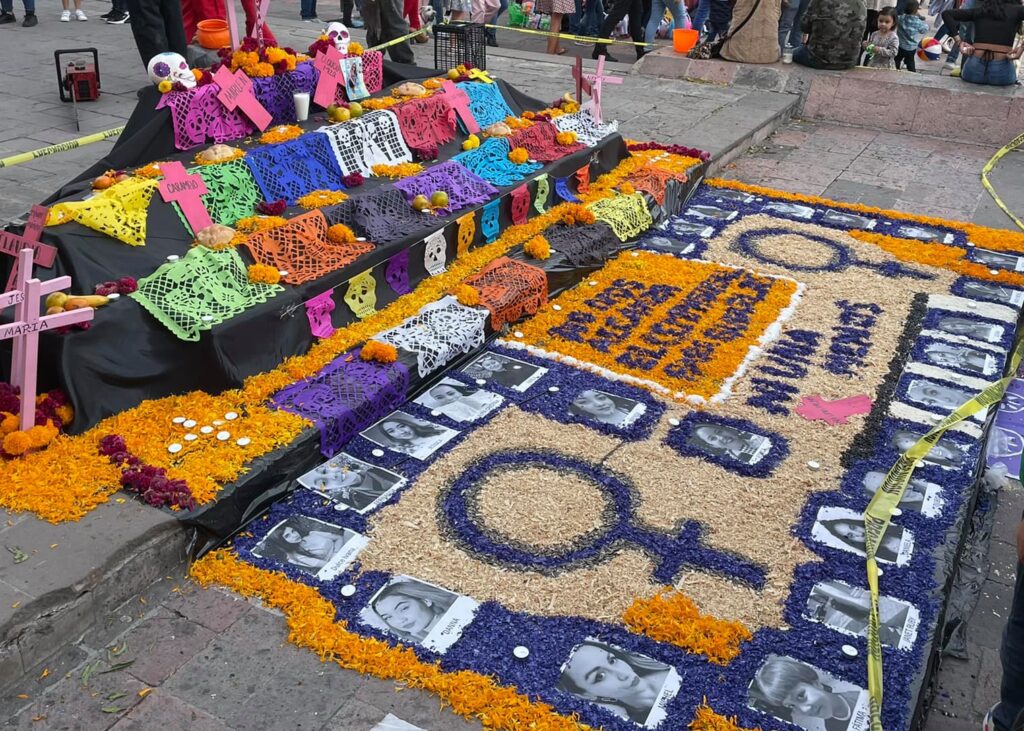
<point x="948" y="66"/>
<point x="65" y="17"/>
<point x="314" y="19"/>
<point x="30" y="21"/>
<point x="80" y="14"/>
<point x="6" y="18"/>
<point x="106" y="15"/>
<point x="356" y="23"/>
<point x="989" y="724"/>
<point x="118" y="18"/>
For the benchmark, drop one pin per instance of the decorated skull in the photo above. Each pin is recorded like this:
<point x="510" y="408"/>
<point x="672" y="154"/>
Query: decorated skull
<point x="435" y="253"/>
<point x="338" y="34"/>
<point x="362" y="295"/>
<point x="171" y="67"/>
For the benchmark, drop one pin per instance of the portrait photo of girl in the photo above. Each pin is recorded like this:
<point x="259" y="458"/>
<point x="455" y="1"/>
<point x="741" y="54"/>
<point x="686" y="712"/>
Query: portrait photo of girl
<point x="419" y="613"/>
<point x="630" y="685"/>
<point x="606" y="408"/>
<point x="955" y="355"/>
<point x="920" y="495"/>
<point x="843" y="529"/>
<point x="991" y="292"/>
<point x="721" y="440"/>
<point x="402" y="432"/>
<point x="320" y="549"/>
<point x="458" y="401"/>
<point x="351" y="483"/>
<point x="945" y="453"/>
<point x="970" y="329"/>
<point x="508" y="372"/>
<point x="802" y="694"/>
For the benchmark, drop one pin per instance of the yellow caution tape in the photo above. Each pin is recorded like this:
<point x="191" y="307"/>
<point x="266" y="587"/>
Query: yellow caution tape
<point x="7" y="162"/>
<point x="880" y="511"/>
<point x="528" y="31"/>
<point x="1017" y="142"/>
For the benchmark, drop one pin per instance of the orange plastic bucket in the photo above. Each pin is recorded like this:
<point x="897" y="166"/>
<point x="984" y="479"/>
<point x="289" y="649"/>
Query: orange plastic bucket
<point x="213" y="33"/>
<point x="683" y="39"/>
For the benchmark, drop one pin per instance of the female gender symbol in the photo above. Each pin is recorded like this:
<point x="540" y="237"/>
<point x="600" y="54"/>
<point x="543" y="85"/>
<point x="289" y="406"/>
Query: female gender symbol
<point x="670" y="553"/>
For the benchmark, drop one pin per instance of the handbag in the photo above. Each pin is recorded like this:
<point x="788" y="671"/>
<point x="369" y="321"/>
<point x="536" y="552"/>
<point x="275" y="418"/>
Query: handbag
<point x="713" y="49"/>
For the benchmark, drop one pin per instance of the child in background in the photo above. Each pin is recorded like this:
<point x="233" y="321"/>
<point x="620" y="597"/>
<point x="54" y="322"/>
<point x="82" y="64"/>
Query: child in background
<point x="911" y="28"/>
<point x="883" y="45"/>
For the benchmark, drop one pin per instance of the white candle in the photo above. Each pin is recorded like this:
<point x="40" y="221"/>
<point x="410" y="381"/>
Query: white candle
<point x="301" y="99"/>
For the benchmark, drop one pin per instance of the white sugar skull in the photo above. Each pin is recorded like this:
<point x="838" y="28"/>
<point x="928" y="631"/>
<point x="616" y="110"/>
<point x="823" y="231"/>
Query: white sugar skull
<point x="435" y="253"/>
<point x="171" y="67"/>
<point x="339" y="35"/>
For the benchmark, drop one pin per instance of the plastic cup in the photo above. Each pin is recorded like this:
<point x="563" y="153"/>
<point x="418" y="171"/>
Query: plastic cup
<point x="301" y="100"/>
<point x="787" y="56"/>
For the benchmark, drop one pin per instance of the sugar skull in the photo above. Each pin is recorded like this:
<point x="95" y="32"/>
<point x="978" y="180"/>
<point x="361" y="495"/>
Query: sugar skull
<point x="362" y="295"/>
<point x="171" y="67"/>
<point x="435" y="253"/>
<point x="339" y="35"/>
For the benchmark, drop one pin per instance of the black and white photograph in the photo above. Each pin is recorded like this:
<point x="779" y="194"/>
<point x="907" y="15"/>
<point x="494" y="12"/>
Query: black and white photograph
<point x="320" y="549"/>
<point x="719" y="440"/>
<point x="793" y="210"/>
<point x="845" y="609"/>
<point x="956" y="355"/>
<point x="352" y="484"/>
<point x="402" y="432"/>
<point x="843" y="529"/>
<point x="606" y="408"/>
<point x="945" y="453"/>
<point x="727" y="194"/>
<point x="993" y="293"/>
<point x="627" y="684"/>
<point x="971" y="329"/>
<point x="508" y="372"/>
<point x="849" y="220"/>
<point x="936" y="396"/>
<point x="713" y="212"/>
<point x="419" y="613"/>
<point x="998" y="259"/>
<point x="458" y="401"/>
<point x="673" y="245"/>
<point x="920" y="496"/>
<point x="923" y="233"/>
<point x="801" y="694"/>
<point x="682" y="227"/>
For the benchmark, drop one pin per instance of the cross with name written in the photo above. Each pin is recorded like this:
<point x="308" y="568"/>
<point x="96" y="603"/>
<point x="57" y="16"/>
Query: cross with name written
<point x="187" y="191"/>
<point x="591" y="84"/>
<point x="12" y="244"/>
<point x="26" y="327"/>
<point x="459" y="101"/>
<point x="328" y="63"/>
<point x="236" y="92"/>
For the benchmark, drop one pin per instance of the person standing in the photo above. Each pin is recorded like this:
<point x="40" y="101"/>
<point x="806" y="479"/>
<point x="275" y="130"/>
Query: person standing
<point x="118" y="13"/>
<point x="384" y="22"/>
<point x="65" y="15"/>
<point x="834" y="29"/>
<point x="559" y="9"/>
<point x="911" y="29"/>
<point x="676" y="8"/>
<point x="1008" y="713"/>
<point x="157" y="27"/>
<point x="755" y="32"/>
<point x="7" y="13"/>
<point x="637" y="11"/>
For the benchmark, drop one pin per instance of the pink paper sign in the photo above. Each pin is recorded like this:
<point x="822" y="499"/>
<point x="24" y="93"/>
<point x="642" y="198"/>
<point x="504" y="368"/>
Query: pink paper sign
<point x="187" y="191"/>
<point x="236" y="92"/>
<point x="12" y="244"/>
<point x="815" y="408"/>
<point x="328" y="63"/>
<point x="318" y="312"/>
<point x="459" y="101"/>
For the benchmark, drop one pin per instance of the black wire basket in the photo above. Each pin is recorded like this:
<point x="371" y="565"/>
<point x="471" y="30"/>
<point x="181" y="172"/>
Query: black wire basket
<point x="457" y="44"/>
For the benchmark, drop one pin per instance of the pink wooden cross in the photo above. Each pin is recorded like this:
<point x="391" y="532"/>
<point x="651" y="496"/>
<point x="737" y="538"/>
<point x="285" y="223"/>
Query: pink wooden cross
<point x="187" y="190"/>
<point x="236" y="91"/>
<point x="328" y="63"/>
<point x="833" y="412"/>
<point x="26" y="327"/>
<point x="459" y="101"/>
<point x="12" y="244"/>
<point x="591" y="84"/>
<point x="480" y="75"/>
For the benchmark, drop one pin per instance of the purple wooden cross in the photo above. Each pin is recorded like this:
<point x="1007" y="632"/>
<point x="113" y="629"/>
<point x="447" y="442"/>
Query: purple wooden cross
<point x="236" y="91"/>
<point x="328" y="63"/>
<point x="187" y="190"/>
<point x="459" y="101"/>
<point x="12" y="244"/>
<point x="26" y="327"/>
<point x="591" y="84"/>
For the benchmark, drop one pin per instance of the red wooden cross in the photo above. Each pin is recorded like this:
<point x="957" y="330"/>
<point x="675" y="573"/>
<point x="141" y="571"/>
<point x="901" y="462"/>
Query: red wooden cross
<point x="187" y="190"/>
<point x="236" y="91"/>
<point x="12" y="244"/>
<point x="328" y="63"/>
<point x="459" y="101"/>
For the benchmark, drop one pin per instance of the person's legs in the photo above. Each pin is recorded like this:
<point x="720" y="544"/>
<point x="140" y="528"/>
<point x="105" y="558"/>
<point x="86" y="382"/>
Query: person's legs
<point x="148" y="28"/>
<point x="804" y="57"/>
<point x="638" y="11"/>
<point x="411" y="12"/>
<point x="556" y="27"/>
<point x="910" y="58"/>
<point x="307" y="9"/>
<point x="719" y="19"/>
<point x="786" y="20"/>
<point x="796" y="35"/>
<point x="616" y="13"/>
<point x="700" y="15"/>
<point x="679" y="15"/>
<point x="392" y="25"/>
<point x="1011" y="652"/>
<point x="174" y="29"/>
<point x="492" y="35"/>
<point x="657" y="13"/>
<point x="593" y="16"/>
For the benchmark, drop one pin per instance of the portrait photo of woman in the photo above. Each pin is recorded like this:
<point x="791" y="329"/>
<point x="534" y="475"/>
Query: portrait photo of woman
<point x="954" y="355"/>
<point x="802" y="694"/>
<point x="922" y="233"/>
<point x="971" y="329"/>
<point x="945" y="453"/>
<point x="402" y="432"/>
<point x="997" y="259"/>
<point x="848" y="220"/>
<point x="844" y="529"/>
<point x="993" y="293"/>
<point x="606" y="408"/>
<point x="320" y="549"/>
<point x="630" y="685"/>
<point x="920" y="495"/>
<point x="458" y="401"/>
<point x="936" y="396"/>
<point x="720" y="440"/>
<point x="793" y="210"/>
<point x="419" y="613"/>
<point x="845" y="608"/>
<point x="352" y="483"/>
<point x="713" y="212"/>
<point x="508" y="372"/>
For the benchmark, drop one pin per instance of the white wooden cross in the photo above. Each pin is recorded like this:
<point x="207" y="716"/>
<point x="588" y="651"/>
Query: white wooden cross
<point x="591" y="84"/>
<point x="26" y="327"/>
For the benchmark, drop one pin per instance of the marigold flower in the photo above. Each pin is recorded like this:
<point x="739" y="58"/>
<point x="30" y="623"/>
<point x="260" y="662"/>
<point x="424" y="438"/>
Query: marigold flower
<point x="339" y="233"/>
<point x="165" y="86"/>
<point x="565" y="138"/>
<point x="17" y="442"/>
<point x="519" y="155"/>
<point x="467" y="295"/>
<point x="281" y="133"/>
<point x="10" y="423"/>
<point x="321" y="198"/>
<point x="264" y="274"/>
<point x="537" y="247"/>
<point x="374" y="350"/>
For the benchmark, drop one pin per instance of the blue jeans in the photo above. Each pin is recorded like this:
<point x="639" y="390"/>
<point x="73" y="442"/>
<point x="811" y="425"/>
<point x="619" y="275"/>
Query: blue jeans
<point x="993" y="73"/>
<point x="788" y="23"/>
<point x="804" y="57"/>
<point x="658" y="8"/>
<point x="307" y="9"/>
<point x="7" y="6"/>
<point x="1011" y="652"/>
<point x="587" y="21"/>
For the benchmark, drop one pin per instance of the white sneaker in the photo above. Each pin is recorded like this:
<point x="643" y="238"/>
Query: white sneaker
<point x="80" y="14"/>
<point x="65" y="17"/>
<point x="948" y="66"/>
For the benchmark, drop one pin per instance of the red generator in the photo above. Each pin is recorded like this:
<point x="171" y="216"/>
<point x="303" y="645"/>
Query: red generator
<point x="80" y="79"/>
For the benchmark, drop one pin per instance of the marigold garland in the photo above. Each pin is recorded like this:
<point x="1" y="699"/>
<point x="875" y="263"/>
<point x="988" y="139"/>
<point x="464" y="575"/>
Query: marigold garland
<point x="519" y="155"/>
<point x="401" y="170"/>
<point x="988" y="238"/>
<point x="537" y="247"/>
<point x="311" y="624"/>
<point x="17" y="443"/>
<point x="627" y="188"/>
<point x="671" y="616"/>
<point x="339" y="233"/>
<point x="150" y="171"/>
<point x="379" y="352"/>
<point x="383" y="102"/>
<point x="467" y="295"/>
<point x="281" y="133"/>
<point x="576" y="213"/>
<point x="263" y="274"/>
<point x="321" y="198"/>
<point x="10" y="423"/>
